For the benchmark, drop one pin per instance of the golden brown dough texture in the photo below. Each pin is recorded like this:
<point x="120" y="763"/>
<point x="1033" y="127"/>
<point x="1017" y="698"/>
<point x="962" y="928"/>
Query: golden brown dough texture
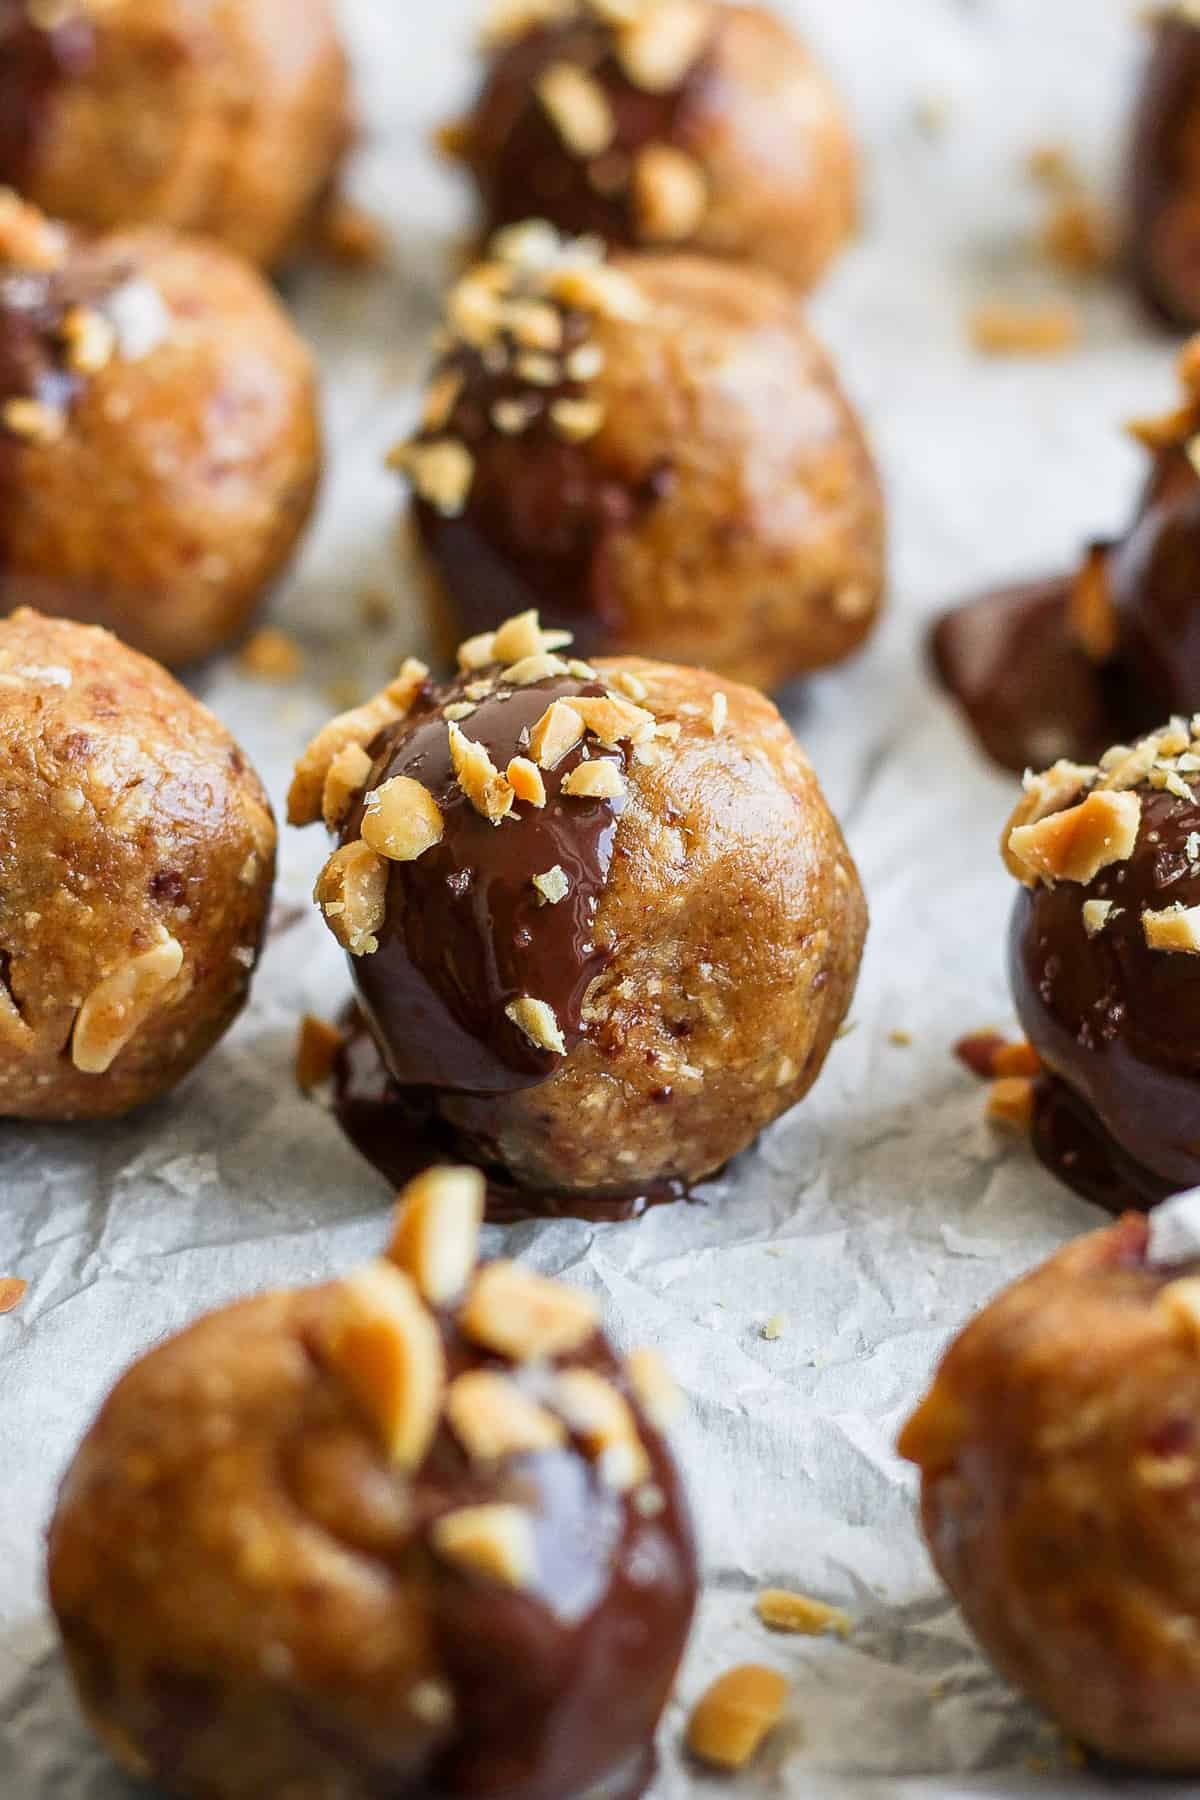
<point x="1058" y="1449"/>
<point x="226" y="117"/>
<point x="137" y="854"/>
<point x="260" y="1595"/>
<point x="735" y="513"/>
<point x="759" y="162"/>
<point x="184" y="475"/>
<point x="736" y="923"/>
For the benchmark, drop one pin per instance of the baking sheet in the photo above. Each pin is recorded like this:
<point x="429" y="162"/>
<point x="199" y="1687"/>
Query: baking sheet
<point x="883" y="1211"/>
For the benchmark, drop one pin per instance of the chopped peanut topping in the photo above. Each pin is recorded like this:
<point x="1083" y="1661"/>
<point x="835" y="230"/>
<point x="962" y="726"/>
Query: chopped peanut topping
<point x="1016" y="1059"/>
<point x="661" y="43"/>
<point x="670" y="194"/>
<point x="492" y="1418"/>
<point x="533" y="668"/>
<point x="441" y="398"/>
<point x="553" y="885"/>
<point x="613" y="720"/>
<point x="12" y="1291"/>
<point x="496" y="1542"/>
<point x="578" y="107"/>
<point x="525" y="780"/>
<point x="402" y="820"/>
<point x="731" y="1720"/>
<point x="522" y="636"/>
<point x="1076" y="844"/>
<point x="441" y="472"/>
<point x="558" y="730"/>
<point x="89" y="338"/>
<point x="631" y="685"/>
<point x="783" y="1610"/>
<point x="118" y="1005"/>
<point x="1174" y="928"/>
<point x="33" y="422"/>
<point x="1093" y="616"/>
<point x="1097" y="913"/>
<point x="606" y="292"/>
<point x="1010" y="1102"/>
<point x="387" y="1348"/>
<point x="507" y="20"/>
<point x="478" y="777"/>
<point x="521" y="1315"/>
<point x="1049" y="792"/>
<point x="655" y="1388"/>
<point x="603" y="1420"/>
<point x="576" y="420"/>
<point x="344" y="782"/>
<point x="718" y="713"/>
<point x="351" y="892"/>
<point x="27" y="239"/>
<point x="594" y="781"/>
<point x="316" y="1050"/>
<point x="538" y="1022"/>
<point x="1002" y="328"/>
<point x="358" y="726"/>
<point x="436" y="1239"/>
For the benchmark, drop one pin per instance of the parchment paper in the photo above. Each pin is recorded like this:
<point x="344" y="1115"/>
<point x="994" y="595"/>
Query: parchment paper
<point x="883" y="1211"/>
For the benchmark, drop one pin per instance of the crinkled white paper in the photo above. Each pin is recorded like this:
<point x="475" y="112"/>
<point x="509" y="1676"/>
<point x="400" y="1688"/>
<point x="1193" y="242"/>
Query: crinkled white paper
<point x="883" y="1211"/>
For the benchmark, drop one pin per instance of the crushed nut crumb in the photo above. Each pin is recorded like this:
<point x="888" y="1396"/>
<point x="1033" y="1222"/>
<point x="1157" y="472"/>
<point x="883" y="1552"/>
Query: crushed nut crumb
<point x="783" y="1610"/>
<point x="552" y="886"/>
<point x="317" y="1047"/>
<point x="496" y="1542"/>
<point x="522" y="1316"/>
<point x="537" y="1021"/>
<point x="733" y="1717"/>
<point x="402" y="820"/>
<point x="387" y="1348"/>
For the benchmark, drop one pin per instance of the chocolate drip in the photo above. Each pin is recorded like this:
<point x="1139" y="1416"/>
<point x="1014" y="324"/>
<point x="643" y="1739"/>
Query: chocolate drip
<point x="1164" y="175"/>
<point x="526" y="171"/>
<point x="401" y="1133"/>
<point x="1029" y="692"/>
<point x="543" y="515"/>
<point x="34" y="59"/>
<point x="1116" y="1023"/>
<point x="466" y="932"/>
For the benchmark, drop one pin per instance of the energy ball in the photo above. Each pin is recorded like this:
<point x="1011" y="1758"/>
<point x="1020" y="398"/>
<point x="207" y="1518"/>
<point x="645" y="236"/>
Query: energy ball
<point x="137" y="854"/>
<point x="159" y="436"/>
<point x="1103" y="963"/>
<point x="1059" y="1451"/>
<point x="655" y="453"/>
<point x="414" y="1532"/>
<point x="1164" y="170"/>
<point x="200" y="115"/>
<point x="664" y="124"/>
<point x="1064" y="667"/>
<point x="600" y="916"/>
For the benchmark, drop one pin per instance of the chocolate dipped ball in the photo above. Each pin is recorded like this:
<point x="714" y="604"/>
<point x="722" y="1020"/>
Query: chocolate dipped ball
<point x="662" y="124"/>
<point x="601" y="922"/>
<point x="159" y="438"/>
<point x="653" y="452"/>
<point x="1058" y="1450"/>
<point x="415" y="1532"/>
<point x="137" y="853"/>
<point x="1104" y="965"/>
<point x="1163" y="177"/>
<point x="223" y="118"/>
<point x="1063" y="667"/>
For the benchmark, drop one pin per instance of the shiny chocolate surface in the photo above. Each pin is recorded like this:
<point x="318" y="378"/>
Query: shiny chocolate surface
<point x="1164" y="175"/>
<point x="466" y="932"/>
<point x="1116" y="1023"/>
<point x="523" y="167"/>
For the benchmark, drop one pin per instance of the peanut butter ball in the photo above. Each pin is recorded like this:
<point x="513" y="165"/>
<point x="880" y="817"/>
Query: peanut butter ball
<point x="655" y="453"/>
<point x="665" y="124"/>
<point x="159" y="436"/>
<point x="601" y="922"/>
<point x="226" y="117"/>
<point x="1058" y="1450"/>
<point x="137" y="853"/>
<point x="415" y="1532"/>
<point x="1103" y="960"/>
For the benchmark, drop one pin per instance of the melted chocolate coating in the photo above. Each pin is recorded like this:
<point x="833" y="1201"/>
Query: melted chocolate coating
<point x="1164" y="175"/>
<point x="33" y="61"/>
<point x="542" y="514"/>
<point x="465" y="931"/>
<point x="1030" y="692"/>
<point x="1118" y="1024"/>
<point x="401" y="1134"/>
<point x="521" y="163"/>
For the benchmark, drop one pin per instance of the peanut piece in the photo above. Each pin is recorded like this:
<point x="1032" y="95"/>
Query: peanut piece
<point x="496" y="1542"/>
<point x="351" y="892"/>
<point x="521" y="1315"/>
<point x="492" y="1418"/>
<point x="387" y="1348"/>
<point x="733" y="1717"/>
<point x="402" y="820"/>
<point x="1076" y="844"/>
<point x="119" y="1004"/>
<point x="436" y="1239"/>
